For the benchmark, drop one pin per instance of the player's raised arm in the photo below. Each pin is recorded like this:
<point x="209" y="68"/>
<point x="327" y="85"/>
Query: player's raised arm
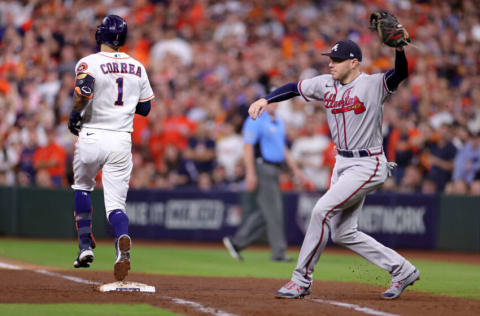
<point x="392" y="34"/>
<point x="283" y="93"/>
<point x="393" y="77"/>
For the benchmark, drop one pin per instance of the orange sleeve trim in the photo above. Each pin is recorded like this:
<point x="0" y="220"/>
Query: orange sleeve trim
<point x="149" y="98"/>
<point x="85" y="72"/>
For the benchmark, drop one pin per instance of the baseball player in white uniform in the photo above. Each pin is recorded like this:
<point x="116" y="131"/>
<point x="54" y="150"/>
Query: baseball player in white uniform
<point x="353" y="102"/>
<point x="110" y="88"/>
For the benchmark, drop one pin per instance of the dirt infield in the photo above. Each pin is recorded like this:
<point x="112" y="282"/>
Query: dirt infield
<point x="237" y="296"/>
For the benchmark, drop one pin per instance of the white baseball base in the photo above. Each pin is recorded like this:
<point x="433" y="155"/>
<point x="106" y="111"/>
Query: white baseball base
<point x="126" y="287"/>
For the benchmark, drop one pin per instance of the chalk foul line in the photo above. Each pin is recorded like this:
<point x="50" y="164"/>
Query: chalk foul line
<point x="199" y="307"/>
<point x="358" y="308"/>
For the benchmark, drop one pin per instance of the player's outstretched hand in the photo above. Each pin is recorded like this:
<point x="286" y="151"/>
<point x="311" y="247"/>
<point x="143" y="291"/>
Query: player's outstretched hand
<point x="256" y="108"/>
<point x="75" y="122"/>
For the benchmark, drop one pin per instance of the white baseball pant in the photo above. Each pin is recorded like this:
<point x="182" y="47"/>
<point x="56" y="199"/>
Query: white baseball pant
<point x="107" y="150"/>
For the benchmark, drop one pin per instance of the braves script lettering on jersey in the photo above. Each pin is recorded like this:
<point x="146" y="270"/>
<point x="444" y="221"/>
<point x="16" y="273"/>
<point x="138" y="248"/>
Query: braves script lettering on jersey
<point x="120" y="83"/>
<point x="354" y="111"/>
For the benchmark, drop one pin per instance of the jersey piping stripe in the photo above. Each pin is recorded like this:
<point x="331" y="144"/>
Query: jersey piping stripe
<point x="145" y="99"/>
<point x="330" y="211"/>
<point x="336" y="122"/>
<point x="299" y="86"/>
<point x="344" y="130"/>
<point x="338" y="131"/>
<point x="278" y="96"/>
<point x="128" y="57"/>
<point x="385" y="83"/>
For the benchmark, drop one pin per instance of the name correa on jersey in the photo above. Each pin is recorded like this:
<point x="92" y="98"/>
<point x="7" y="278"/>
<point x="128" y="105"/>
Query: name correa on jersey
<point x="121" y="68"/>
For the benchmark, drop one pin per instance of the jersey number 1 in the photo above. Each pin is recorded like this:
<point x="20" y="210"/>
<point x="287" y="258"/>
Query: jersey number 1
<point x="119" y="101"/>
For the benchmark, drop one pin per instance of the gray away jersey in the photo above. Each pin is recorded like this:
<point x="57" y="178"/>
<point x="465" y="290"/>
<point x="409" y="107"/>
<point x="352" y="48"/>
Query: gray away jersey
<point x="354" y="111"/>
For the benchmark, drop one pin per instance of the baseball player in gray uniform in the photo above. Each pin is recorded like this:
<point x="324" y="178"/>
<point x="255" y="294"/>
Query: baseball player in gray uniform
<point x="353" y="101"/>
<point x="110" y="88"/>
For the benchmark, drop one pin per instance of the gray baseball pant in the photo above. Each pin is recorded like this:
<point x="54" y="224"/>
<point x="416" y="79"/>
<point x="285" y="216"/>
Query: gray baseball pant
<point x="268" y="214"/>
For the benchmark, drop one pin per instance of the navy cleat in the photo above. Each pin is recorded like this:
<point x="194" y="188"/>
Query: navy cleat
<point x="84" y="258"/>
<point x="122" y="263"/>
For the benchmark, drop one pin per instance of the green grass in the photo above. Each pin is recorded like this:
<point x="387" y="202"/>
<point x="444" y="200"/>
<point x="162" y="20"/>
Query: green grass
<point x="82" y="309"/>
<point x="459" y="280"/>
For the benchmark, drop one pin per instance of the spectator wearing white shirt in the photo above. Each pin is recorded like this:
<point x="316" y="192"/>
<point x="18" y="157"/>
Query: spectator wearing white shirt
<point x="229" y="149"/>
<point x="172" y="45"/>
<point x="308" y="152"/>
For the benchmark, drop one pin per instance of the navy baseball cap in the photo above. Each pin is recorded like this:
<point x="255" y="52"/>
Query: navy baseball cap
<point x="345" y="49"/>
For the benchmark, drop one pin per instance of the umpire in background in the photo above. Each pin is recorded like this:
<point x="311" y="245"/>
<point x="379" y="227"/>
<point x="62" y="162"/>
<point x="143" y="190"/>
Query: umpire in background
<point x="264" y="154"/>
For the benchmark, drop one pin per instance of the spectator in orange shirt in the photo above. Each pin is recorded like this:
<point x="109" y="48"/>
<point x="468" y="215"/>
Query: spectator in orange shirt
<point x="401" y="147"/>
<point x="51" y="158"/>
<point x="177" y="128"/>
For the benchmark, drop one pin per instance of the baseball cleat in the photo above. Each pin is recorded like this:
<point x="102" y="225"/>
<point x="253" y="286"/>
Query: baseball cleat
<point x="122" y="263"/>
<point x="232" y="249"/>
<point x="293" y="290"/>
<point x="397" y="287"/>
<point x="84" y="258"/>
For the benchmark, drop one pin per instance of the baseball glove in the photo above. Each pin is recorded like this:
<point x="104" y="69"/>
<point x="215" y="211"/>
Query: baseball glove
<point x="390" y="31"/>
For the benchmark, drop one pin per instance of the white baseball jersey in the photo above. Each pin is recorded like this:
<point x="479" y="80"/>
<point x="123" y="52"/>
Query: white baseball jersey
<point x="104" y="141"/>
<point x="120" y="83"/>
<point x="354" y="110"/>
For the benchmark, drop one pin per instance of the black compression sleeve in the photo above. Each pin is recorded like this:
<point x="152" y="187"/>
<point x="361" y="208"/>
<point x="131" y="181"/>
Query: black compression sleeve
<point x="393" y="77"/>
<point x="283" y="93"/>
<point x="143" y="108"/>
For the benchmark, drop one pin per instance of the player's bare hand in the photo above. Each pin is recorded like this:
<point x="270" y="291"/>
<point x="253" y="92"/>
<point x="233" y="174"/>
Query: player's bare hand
<point x="256" y="108"/>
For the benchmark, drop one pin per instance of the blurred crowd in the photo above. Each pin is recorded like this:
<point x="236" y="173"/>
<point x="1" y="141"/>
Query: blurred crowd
<point x="208" y="60"/>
